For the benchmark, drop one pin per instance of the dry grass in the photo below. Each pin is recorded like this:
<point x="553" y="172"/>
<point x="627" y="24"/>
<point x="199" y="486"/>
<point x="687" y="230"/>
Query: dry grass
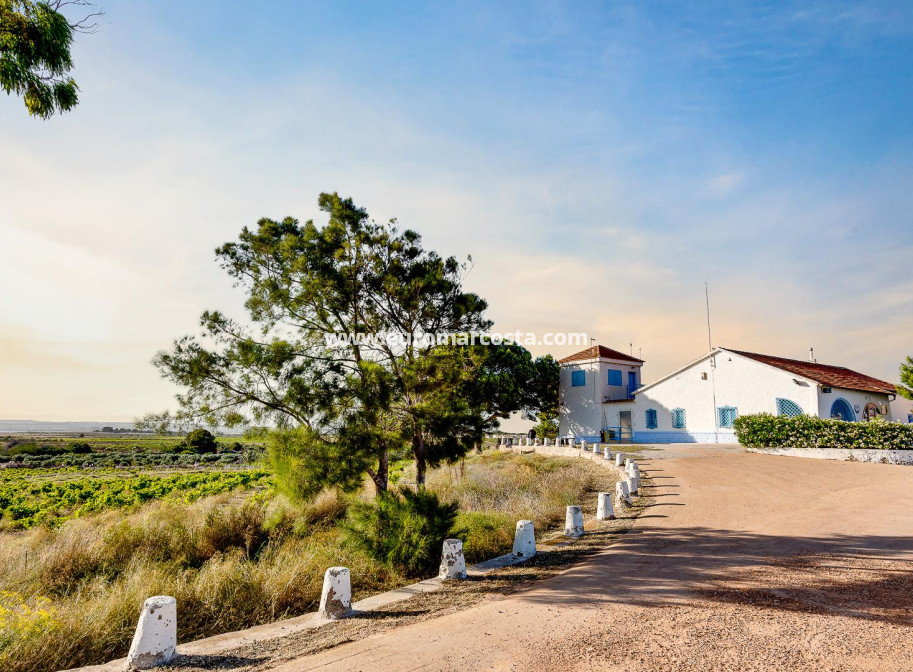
<point x="496" y="489"/>
<point x="230" y="564"/>
<point x="236" y="561"/>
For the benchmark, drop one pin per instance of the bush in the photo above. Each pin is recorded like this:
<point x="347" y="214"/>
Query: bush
<point x="200" y="441"/>
<point x="403" y="529"/>
<point x="777" y="431"/>
<point x="79" y="448"/>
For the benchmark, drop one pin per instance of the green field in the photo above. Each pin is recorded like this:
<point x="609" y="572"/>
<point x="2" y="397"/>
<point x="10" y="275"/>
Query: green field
<point x="108" y="450"/>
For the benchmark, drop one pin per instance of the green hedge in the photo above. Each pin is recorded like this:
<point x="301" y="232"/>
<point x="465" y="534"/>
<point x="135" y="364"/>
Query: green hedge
<point x="778" y="431"/>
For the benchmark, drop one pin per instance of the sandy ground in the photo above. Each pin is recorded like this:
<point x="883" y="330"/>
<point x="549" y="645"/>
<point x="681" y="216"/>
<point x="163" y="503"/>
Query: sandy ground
<point x="743" y="562"/>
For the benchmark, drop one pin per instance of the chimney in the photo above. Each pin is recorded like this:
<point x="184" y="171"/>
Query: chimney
<point x="811" y="354"/>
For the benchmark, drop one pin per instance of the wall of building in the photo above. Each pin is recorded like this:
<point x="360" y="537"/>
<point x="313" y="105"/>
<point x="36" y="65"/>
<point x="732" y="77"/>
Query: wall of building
<point x="747" y="385"/>
<point x="581" y="410"/>
<point x="855" y="398"/>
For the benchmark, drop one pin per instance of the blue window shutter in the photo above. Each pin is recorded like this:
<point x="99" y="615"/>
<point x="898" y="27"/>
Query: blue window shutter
<point x="726" y="416"/>
<point x="578" y="378"/>
<point x="678" y="418"/>
<point x="614" y="377"/>
<point x="651" y="418"/>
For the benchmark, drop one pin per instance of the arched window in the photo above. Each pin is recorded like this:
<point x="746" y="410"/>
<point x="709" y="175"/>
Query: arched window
<point x="841" y="410"/>
<point x="871" y="411"/>
<point x="788" y="408"/>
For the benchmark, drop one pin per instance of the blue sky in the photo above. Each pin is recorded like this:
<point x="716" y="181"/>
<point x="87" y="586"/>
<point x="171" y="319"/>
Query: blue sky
<point x="599" y="161"/>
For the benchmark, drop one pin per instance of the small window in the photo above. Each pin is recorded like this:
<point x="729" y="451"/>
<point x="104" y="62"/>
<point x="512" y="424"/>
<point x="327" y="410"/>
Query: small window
<point x="578" y="378"/>
<point x="678" y="418"/>
<point x="725" y="416"/>
<point x="788" y="408"/>
<point x="650" y="414"/>
<point x="826" y="390"/>
<point x="614" y="377"/>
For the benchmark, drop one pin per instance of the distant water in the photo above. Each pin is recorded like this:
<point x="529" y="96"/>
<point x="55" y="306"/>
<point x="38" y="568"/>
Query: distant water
<point x="30" y="426"/>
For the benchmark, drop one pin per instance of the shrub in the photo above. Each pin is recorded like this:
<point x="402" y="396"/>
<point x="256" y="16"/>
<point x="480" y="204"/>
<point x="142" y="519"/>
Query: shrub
<point x="201" y="441"/>
<point x="79" y="448"/>
<point x="775" y="431"/>
<point x="404" y="529"/>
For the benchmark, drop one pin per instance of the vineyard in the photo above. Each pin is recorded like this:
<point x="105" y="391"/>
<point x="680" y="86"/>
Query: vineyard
<point x="29" y="498"/>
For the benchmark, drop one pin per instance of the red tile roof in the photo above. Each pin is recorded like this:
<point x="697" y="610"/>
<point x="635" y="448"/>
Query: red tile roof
<point x="831" y="376"/>
<point x="599" y="351"/>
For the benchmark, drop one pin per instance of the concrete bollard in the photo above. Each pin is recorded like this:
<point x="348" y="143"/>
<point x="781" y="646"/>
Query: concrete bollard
<point x="622" y="495"/>
<point x="525" y="539"/>
<point x="618" y="459"/>
<point x="628" y="461"/>
<point x="632" y="485"/>
<point x="583" y="445"/>
<point x="453" y="563"/>
<point x="604" y="510"/>
<point x="573" y="522"/>
<point x="336" y="597"/>
<point x="546" y="442"/>
<point x="595" y="449"/>
<point x="607" y="453"/>
<point x="156" y="634"/>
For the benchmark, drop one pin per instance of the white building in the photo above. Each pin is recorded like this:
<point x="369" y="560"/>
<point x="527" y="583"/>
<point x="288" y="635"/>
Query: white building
<point x="700" y="401"/>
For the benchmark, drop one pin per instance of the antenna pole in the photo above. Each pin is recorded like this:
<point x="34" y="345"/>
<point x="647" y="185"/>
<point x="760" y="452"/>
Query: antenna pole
<point x="716" y="420"/>
<point x="707" y="298"/>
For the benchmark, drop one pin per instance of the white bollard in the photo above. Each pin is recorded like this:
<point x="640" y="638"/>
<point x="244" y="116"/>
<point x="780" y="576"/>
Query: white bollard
<point x="573" y="522"/>
<point x="525" y="539"/>
<point x="595" y="449"/>
<point x="607" y="453"/>
<point x="632" y="485"/>
<point x="336" y="597"/>
<point x="604" y="510"/>
<point x="619" y="458"/>
<point x="583" y="445"/>
<point x="546" y="442"/>
<point x="156" y="634"/>
<point x="628" y="461"/>
<point x="622" y="495"/>
<point x="453" y="563"/>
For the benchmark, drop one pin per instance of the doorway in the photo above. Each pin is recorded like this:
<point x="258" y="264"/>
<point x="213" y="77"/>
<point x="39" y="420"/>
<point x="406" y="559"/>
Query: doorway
<point x="626" y="433"/>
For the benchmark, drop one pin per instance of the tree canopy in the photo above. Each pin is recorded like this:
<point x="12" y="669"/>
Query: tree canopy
<point x="35" y="58"/>
<point x="905" y="389"/>
<point x="345" y="403"/>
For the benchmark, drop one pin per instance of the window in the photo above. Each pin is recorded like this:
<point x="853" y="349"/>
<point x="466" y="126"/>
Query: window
<point x="725" y="416"/>
<point x="678" y="418"/>
<point x="651" y="418"/>
<point x="788" y="408"/>
<point x="841" y="410"/>
<point x="578" y="378"/>
<point x="614" y="377"/>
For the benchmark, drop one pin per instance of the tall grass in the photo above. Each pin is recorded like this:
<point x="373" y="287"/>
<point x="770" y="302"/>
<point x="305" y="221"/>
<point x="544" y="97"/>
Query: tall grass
<point x="71" y="596"/>
<point x="230" y="564"/>
<point x="496" y="489"/>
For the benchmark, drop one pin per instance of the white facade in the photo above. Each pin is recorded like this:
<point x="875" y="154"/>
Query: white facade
<point x="585" y="409"/>
<point x="694" y="396"/>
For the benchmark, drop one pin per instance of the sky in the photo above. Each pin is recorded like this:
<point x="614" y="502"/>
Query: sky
<point x="599" y="162"/>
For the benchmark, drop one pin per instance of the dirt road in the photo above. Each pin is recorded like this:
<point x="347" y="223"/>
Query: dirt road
<point x="744" y="562"/>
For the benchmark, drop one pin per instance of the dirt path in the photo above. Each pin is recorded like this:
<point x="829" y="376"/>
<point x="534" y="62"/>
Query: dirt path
<point x="745" y="562"/>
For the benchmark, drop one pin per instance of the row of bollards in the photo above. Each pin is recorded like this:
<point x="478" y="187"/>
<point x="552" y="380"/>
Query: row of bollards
<point x="155" y="640"/>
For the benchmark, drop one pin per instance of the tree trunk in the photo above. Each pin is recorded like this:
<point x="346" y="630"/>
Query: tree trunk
<point x="418" y="451"/>
<point x="381" y="476"/>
